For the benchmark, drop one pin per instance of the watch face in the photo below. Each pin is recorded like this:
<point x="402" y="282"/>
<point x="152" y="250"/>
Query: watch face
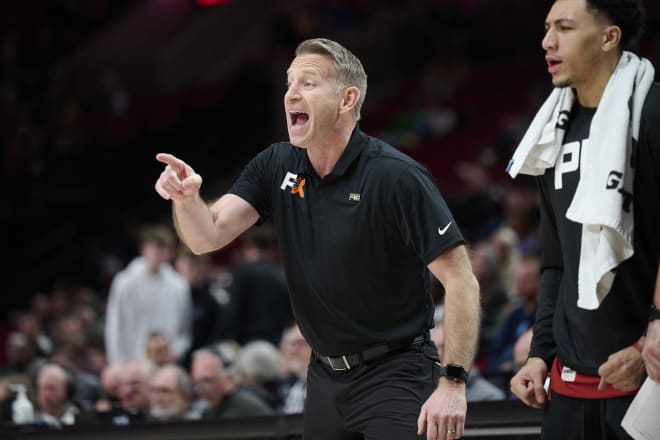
<point x="454" y="371"/>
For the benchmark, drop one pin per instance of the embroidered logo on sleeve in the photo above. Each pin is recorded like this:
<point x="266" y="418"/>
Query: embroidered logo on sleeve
<point x="443" y="230"/>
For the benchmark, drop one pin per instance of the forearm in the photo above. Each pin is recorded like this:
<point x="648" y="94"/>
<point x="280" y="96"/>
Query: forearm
<point x="195" y="225"/>
<point x="543" y="342"/>
<point x="461" y="321"/>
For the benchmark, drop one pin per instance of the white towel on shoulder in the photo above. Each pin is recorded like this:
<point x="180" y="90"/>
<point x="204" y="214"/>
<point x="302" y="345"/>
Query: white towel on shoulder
<point x="606" y="174"/>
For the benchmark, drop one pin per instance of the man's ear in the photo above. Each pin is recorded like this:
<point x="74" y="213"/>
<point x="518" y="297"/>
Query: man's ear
<point x="350" y="98"/>
<point x="611" y="38"/>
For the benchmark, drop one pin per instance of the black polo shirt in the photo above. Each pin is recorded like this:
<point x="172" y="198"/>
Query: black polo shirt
<point x="356" y="243"/>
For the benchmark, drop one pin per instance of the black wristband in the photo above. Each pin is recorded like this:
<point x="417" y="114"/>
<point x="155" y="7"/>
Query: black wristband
<point x="654" y="313"/>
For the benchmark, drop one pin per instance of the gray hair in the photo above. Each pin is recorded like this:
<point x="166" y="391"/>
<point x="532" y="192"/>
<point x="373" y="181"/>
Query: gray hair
<point x="224" y="370"/>
<point x="258" y="362"/>
<point x="348" y="68"/>
<point x="183" y="381"/>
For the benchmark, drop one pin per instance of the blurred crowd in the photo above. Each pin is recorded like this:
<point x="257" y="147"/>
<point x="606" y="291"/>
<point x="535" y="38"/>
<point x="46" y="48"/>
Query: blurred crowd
<point x="181" y="338"/>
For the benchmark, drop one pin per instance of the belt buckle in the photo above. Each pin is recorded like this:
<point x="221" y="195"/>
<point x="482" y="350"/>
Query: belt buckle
<point x="345" y="367"/>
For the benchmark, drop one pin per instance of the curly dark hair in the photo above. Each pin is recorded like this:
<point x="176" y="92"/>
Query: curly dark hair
<point x="627" y="14"/>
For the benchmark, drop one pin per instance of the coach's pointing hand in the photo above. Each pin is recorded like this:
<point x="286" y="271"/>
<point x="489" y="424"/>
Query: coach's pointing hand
<point x="178" y="181"/>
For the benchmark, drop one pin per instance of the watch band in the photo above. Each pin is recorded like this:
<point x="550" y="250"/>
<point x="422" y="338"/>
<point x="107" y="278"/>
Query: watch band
<point x="454" y="372"/>
<point x="654" y="313"/>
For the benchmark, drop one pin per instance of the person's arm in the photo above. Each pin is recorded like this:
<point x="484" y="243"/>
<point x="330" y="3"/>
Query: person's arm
<point x="651" y="350"/>
<point x="447" y="406"/>
<point x="202" y="227"/>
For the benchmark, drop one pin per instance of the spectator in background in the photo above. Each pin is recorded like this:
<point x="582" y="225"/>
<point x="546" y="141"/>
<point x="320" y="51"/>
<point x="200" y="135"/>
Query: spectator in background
<point x="22" y="355"/>
<point x="28" y="324"/>
<point x="259" y="295"/>
<point x="158" y="349"/>
<point x="148" y="295"/>
<point x="218" y="392"/>
<point x="170" y="394"/>
<point x="54" y="389"/>
<point x="134" y="390"/>
<point x="494" y="297"/>
<point x="109" y="392"/>
<point x="295" y="354"/>
<point x="259" y="369"/>
<point x="210" y="314"/>
<point x="521" y="317"/>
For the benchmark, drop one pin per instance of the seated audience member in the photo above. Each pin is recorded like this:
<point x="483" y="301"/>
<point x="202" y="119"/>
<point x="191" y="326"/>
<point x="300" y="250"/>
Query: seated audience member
<point x="211" y="318"/>
<point x="133" y="391"/>
<point x="54" y="392"/>
<point x="295" y="354"/>
<point x="109" y="393"/>
<point x="170" y="394"/>
<point x="259" y="369"/>
<point x="158" y="350"/>
<point x="477" y="388"/>
<point x="218" y="392"/>
<point x="521" y="317"/>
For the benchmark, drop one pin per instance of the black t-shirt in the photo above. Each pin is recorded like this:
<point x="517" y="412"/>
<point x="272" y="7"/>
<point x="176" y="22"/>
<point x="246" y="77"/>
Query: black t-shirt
<point x="583" y="339"/>
<point x="356" y="243"/>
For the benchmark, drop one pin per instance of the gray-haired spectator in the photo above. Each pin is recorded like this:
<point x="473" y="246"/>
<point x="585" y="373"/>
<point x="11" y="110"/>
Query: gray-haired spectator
<point x="134" y="388"/>
<point x="218" y="392"/>
<point x="170" y="394"/>
<point x="54" y="396"/>
<point x="259" y="369"/>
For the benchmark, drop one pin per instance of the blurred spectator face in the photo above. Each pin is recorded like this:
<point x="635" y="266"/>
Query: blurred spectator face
<point x="211" y="382"/>
<point x="52" y="389"/>
<point x="194" y="268"/>
<point x="111" y="379"/>
<point x="156" y="254"/>
<point x="68" y="331"/>
<point x="295" y="351"/>
<point x="28" y="324"/>
<point x="21" y="350"/>
<point x="158" y="350"/>
<point x="166" y="399"/>
<point x="41" y="306"/>
<point x="528" y="278"/>
<point x="133" y="386"/>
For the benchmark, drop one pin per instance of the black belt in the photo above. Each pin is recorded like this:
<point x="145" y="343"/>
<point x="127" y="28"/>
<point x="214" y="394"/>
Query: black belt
<point x="348" y="361"/>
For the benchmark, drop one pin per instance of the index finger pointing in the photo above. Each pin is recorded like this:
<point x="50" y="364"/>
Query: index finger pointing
<point x="172" y="161"/>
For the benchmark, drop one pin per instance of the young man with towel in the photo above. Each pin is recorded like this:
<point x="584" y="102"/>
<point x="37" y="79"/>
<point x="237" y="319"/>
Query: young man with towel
<point x="595" y="147"/>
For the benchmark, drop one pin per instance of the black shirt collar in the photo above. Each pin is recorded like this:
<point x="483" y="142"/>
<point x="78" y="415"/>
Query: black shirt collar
<point x="352" y="151"/>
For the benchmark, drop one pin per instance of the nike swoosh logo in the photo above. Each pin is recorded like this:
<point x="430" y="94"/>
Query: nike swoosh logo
<point x="443" y="230"/>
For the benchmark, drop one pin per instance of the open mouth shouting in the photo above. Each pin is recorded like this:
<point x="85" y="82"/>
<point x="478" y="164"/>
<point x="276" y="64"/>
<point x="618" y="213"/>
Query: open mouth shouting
<point x="297" y="123"/>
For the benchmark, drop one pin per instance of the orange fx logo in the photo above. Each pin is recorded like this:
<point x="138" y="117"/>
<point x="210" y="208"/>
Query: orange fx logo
<point x="295" y="182"/>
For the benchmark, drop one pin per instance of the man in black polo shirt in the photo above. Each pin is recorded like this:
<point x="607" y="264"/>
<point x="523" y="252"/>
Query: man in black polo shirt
<point x="360" y="225"/>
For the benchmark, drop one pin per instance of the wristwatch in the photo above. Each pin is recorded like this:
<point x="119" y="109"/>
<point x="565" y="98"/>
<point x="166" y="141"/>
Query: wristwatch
<point x="454" y="372"/>
<point x="654" y="313"/>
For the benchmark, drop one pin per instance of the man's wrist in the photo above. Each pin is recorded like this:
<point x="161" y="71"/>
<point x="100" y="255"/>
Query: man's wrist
<point x="654" y="313"/>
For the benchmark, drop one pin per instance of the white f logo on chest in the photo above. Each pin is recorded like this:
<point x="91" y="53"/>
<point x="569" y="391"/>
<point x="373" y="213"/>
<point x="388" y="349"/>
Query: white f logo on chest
<point x="289" y="181"/>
